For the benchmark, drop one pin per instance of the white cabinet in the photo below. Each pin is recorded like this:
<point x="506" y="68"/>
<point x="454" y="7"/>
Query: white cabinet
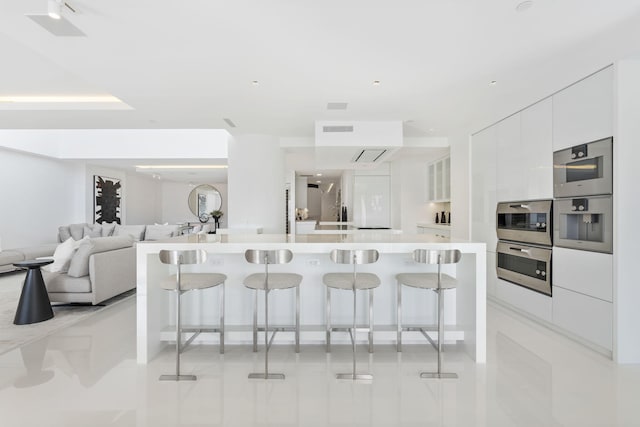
<point x="439" y="180"/>
<point x="530" y="302"/>
<point x="537" y="151"/>
<point x="483" y="188"/>
<point x="510" y="178"/>
<point x="589" y="318"/>
<point x="435" y="229"/>
<point x="583" y="112"/>
<point x="589" y="273"/>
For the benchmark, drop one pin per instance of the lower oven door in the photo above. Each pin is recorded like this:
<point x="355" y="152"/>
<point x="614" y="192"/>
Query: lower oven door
<point x="524" y="265"/>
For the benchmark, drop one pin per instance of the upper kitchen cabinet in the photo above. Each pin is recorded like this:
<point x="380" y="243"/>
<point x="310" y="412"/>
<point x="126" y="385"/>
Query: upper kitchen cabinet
<point x="483" y="188"/>
<point x="537" y="150"/>
<point x="583" y="112"/>
<point x="439" y="180"/>
<point x="510" y="178"/>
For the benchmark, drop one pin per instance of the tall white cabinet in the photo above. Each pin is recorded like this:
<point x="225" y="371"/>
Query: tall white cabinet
<point x="513" y="160"/>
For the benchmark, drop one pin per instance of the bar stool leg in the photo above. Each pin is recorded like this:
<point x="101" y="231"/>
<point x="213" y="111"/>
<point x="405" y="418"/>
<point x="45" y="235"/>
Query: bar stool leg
<point x="297" y="319"/>
<point x="399" y="319"/>
<point x="255" y="321"/>
<point x="439" y="373"/>
<point x="353" y="375"/>
<point x="177" y="376"/>
<point x="370" y="320"/>
<point x="222" y="318"/>
<point x="328" y="333"/>
<point x="266" y="375"/>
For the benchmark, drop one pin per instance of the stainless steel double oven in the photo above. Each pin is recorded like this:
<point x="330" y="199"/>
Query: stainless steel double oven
<point x="524" y="230"/>
<point x="583" y="188"/>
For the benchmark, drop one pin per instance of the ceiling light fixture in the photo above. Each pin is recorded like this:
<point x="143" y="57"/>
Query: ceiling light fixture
<point x="59" y="98"/>
<point x="493" y="83"/>
<point x="318" y="174"/>
<point x="255" y="82"/>
<point x="376" y="82"/>
<point x="54" y="8"/>
<point x="150" y="167"/>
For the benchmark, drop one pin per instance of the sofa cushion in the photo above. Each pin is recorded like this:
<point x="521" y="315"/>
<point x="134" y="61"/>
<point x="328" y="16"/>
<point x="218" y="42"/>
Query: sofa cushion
<point x="158" y="232"/>
<point x="135" y="231"/>
<point x="63" y="233"/>
<point x="77" y="231"/>
<point x="62" y="255"/>
<point x="34" y="252"/>
<point x="93" y="230"/>
<point x="108" y="228"/>
<point x="79" y="265"/>
<point x="60" y="282"/>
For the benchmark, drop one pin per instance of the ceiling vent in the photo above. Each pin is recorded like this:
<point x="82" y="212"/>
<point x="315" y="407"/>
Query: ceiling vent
<point x="58" y="27"/>
<point x="337" y="106"/>
<point x="229" y="122"/>
<point x="368" y="155"/>
<point x="342" y="128"/>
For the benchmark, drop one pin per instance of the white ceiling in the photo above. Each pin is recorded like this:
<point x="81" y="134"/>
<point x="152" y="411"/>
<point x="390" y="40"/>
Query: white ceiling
<point x="190" y="64"/>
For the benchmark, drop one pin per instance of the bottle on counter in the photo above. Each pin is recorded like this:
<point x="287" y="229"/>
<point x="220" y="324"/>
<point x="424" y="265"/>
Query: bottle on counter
<point x="437" y="218"/>
<point x="443" y="217"/>
<point x="449" y="218"/>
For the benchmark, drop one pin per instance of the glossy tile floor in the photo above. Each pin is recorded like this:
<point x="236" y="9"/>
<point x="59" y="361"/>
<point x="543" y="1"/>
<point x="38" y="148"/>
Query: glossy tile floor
<point x="86" y="375"/>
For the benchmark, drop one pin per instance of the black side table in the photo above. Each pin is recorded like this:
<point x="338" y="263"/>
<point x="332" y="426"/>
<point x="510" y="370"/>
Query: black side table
<point x="34" y="305"/>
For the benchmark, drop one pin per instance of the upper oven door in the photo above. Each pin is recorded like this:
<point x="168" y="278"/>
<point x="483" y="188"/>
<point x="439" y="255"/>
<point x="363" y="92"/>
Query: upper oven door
<point x="524" y="265"/>
<point x="584" y="170"/>
<point x="528" y="221"/>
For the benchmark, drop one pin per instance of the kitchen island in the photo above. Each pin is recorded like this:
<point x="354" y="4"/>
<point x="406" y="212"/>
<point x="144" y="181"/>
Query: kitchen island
<point x="465" y="313"/>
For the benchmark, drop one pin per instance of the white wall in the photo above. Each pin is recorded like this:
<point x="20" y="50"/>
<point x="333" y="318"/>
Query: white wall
<point x="314" y="203"/>
<point x="460" y="184"/>
<point x="37" y="195"/>
<point x="409" y="186"/>
<point x="175" y="206"/>
<point x="256" y="183"/>
<point x="144" y="199"/>
<point x="626" y="209"/>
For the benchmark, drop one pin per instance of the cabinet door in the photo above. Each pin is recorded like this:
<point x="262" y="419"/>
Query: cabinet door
<point x="589" y="273"/>
<point x="537" y="148"/>
<point x="438" y="181"/>
<point x="583" y="112"/>
<point x="431" y="184"/>
<point x="483" y="188"/>
<point x="510" y="176"/>
<point x="446" y="178"/>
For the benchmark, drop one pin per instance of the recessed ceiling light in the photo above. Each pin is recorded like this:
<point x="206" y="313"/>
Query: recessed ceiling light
<point x="493" y="83"/>
<point x="255" y="82"/>
<point x="318" y="182"/>
<point x="525" y="5"/>
<point x="318" y="174"/>
<point x="376" y="82"/>
<point x="182" y="166"/>
<point x="229" y="122"/>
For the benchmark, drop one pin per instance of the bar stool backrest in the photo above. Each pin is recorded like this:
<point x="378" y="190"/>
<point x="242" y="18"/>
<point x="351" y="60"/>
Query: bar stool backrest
<point x="354" y="256"/>
<point x="261" y="256"/>
<point x="194" y="256"/>
<point x="433" y="256"/>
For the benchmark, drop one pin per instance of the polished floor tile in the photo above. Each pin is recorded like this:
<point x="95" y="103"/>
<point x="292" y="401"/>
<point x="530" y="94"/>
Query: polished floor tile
<point x="86" y="375"/>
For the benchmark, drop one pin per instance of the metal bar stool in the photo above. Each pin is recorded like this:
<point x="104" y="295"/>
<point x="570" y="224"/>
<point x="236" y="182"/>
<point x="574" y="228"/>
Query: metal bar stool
<point x="270" y="282"/>
<point x="184" y="282"/>
<point x="354" y="282"/>
<point x="437" y="282"/>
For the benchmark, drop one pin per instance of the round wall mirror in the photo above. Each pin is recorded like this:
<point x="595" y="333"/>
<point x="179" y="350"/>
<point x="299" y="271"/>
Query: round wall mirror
<point x="204" y="199"/>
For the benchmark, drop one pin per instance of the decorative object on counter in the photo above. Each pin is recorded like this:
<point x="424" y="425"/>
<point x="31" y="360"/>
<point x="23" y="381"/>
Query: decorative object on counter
<point x="344" y="214"/>
<point x="302" y="214"/>
<point x="204" y="217"/>
<point x="216" y="215"/>
<point x="449" y="218"/>
<point x="443" y="217"/>
<point x="437" y="218"/>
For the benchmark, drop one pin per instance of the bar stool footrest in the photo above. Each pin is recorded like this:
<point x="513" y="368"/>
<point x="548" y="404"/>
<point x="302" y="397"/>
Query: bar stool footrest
<point x="355" y="377"/>
<point x="178" y="378"/>
<point x="440" y="375"/>
<point x="262" y="376"/>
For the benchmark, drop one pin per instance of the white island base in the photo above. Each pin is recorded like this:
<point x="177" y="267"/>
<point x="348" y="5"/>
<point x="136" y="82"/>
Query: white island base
<point x="465" y="308"/>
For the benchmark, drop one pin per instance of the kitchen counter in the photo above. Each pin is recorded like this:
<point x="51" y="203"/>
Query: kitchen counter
<point x="154" y="306"/>
<point x="434" y="225"/>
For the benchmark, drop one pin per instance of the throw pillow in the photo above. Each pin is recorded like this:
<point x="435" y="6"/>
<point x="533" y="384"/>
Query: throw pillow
<point x="159" y="232"/>
<point x="94" y="230"/>
<point x="136" y="231"/>
<point x="77" y="231"/>
<point x="63" y="233"/>
<point x="108" y="228"/>
<point x="79" y="265"/>
<point x="62" y="256"/>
